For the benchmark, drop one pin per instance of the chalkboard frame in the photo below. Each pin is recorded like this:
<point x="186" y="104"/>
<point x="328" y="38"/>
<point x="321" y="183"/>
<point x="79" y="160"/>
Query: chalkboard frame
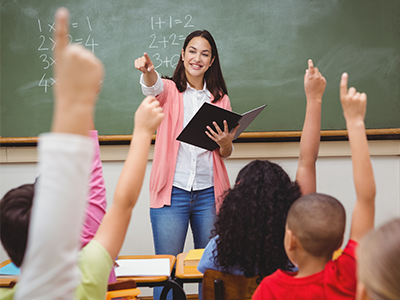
<point x="272" y="136"/>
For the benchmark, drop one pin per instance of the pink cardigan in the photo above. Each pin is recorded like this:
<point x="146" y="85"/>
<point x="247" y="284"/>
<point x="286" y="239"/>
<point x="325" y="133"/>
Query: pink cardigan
<point x="166" y="149"/>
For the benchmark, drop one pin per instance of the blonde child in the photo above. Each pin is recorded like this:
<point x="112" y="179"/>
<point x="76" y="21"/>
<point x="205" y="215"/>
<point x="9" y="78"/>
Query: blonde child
<point x="378" y="263"/>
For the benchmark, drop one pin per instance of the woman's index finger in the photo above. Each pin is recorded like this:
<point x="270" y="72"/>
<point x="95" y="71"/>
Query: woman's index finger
<point x="147" y="57"/>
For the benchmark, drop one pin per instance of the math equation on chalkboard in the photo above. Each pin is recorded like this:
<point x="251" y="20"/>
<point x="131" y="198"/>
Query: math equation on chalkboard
<point x="162" y="40"/>
<point x="46" y="45"/>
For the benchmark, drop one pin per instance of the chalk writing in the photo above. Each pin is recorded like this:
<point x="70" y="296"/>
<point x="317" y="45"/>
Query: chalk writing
<point x="82" y="31"/>
<point x="165" y="42"/>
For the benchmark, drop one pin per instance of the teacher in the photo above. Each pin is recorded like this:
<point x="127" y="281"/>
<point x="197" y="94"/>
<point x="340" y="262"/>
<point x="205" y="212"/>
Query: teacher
<point x="186" y="181"/>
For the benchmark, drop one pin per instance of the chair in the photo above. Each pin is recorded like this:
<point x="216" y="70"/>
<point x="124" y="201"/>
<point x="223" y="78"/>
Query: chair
<point x="337" y="253"/>
<point x="219" y="286"/>
<point x="124" y="289"/>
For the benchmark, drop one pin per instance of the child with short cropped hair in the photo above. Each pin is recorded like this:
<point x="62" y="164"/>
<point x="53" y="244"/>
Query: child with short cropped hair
<point x="315" y="225"/>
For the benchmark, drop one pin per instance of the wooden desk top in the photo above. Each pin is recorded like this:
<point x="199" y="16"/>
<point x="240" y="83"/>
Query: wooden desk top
<point x="5" y="281"/>
<point x="186" y="272"/>
<point x="145" y="279"/>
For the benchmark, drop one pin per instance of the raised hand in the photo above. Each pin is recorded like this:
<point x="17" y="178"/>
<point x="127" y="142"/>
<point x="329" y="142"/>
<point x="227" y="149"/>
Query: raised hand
<point x="144" y="64"/>
<point x="148" y="115"/>
<point x="78" y="76"/>
<point x="354" y="104"/>
<point x="111" y="233"/>
<point x="314" y="87"/>
<point x="314" y="82"/>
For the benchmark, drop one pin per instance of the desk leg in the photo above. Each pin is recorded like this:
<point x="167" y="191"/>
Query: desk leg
<point x="177" y="290"/>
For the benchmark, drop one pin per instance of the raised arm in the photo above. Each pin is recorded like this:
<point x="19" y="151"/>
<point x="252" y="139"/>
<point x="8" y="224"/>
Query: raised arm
<point x="314" y="86"/>
<point x="49" y="269"/>
<point x="354" y="107"/>
<point x="111" y="233"/>
<point x="78" y="74"/>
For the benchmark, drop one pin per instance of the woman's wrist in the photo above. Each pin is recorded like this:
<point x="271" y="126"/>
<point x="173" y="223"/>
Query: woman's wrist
<point x="225" y="152"/>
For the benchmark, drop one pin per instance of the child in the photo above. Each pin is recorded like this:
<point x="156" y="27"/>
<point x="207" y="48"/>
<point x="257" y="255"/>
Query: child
<point x="185" y="180"/>
<point x="49" y="268"/>
<point x="21" y="197"/>
<point x="250" y="227"/>
<point x="95" y="210"/>
<point x="378" y="263"/>
<point x="315" y="225"/>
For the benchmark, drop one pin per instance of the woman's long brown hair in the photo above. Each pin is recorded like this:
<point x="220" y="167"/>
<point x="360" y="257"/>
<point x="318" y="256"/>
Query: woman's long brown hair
<point x="213" y="76"/>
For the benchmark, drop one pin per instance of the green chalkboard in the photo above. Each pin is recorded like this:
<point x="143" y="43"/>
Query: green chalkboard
<point x="263" y="44"/>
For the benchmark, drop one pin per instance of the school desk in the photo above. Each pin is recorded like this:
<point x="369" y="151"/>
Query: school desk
<point x="112" y="293"/>
<point x="141" y="281"/>
<point x="122" y="290"/>
<point x="186" y="274"/>
<point x="6" y="281"/>
<point x="152" y="281"/>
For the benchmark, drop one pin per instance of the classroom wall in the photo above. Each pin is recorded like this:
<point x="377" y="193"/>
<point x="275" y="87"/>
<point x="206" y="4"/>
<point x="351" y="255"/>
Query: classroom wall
<point x="334" y="175"/>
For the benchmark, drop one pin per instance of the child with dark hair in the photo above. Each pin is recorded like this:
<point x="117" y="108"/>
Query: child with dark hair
<point x="251" y="224"/>
<point x="53" y="266"/>
<point x="249" y="231"/>
<point x="319" y="221"/>
<point x="316" y="222"/>
<point x="15" y="211"/>
<point x="15" y="208"/>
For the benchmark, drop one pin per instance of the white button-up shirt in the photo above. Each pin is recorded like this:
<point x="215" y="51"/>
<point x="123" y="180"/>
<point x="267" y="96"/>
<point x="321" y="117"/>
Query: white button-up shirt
<point x="194" y="165"/>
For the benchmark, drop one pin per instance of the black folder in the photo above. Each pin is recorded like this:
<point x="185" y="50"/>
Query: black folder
<point x="194" y="132"/>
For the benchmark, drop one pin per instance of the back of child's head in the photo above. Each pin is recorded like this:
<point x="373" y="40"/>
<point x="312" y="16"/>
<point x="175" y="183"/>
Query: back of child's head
<point x="318" y="221"/>
<point x="15" y="215"/>
<point x="251" y="222"/>
<point x="379" y="262"/>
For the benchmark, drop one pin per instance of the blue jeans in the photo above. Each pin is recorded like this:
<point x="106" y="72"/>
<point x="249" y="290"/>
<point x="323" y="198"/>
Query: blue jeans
<point x="170" y="223"/>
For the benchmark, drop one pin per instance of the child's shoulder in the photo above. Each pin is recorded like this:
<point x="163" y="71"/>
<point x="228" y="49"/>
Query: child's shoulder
<point x="349" y="250"/>
<point x="276" y="285"/>
<point x="7" y="294"/>
<point x="279" y="276"/>
<point x="345" y="261"/>
<point x="341" y="273"/>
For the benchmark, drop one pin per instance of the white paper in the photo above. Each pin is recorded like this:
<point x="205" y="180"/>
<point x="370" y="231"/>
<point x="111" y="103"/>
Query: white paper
<point x="143" y="267"/>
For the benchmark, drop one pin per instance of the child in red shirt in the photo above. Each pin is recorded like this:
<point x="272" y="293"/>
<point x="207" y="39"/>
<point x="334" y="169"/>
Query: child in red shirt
<point x="315" y="225"/>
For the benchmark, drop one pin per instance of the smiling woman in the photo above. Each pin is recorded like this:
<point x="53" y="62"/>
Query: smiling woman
<point x="186" y="181"/>
<point x="197" y="60"/>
